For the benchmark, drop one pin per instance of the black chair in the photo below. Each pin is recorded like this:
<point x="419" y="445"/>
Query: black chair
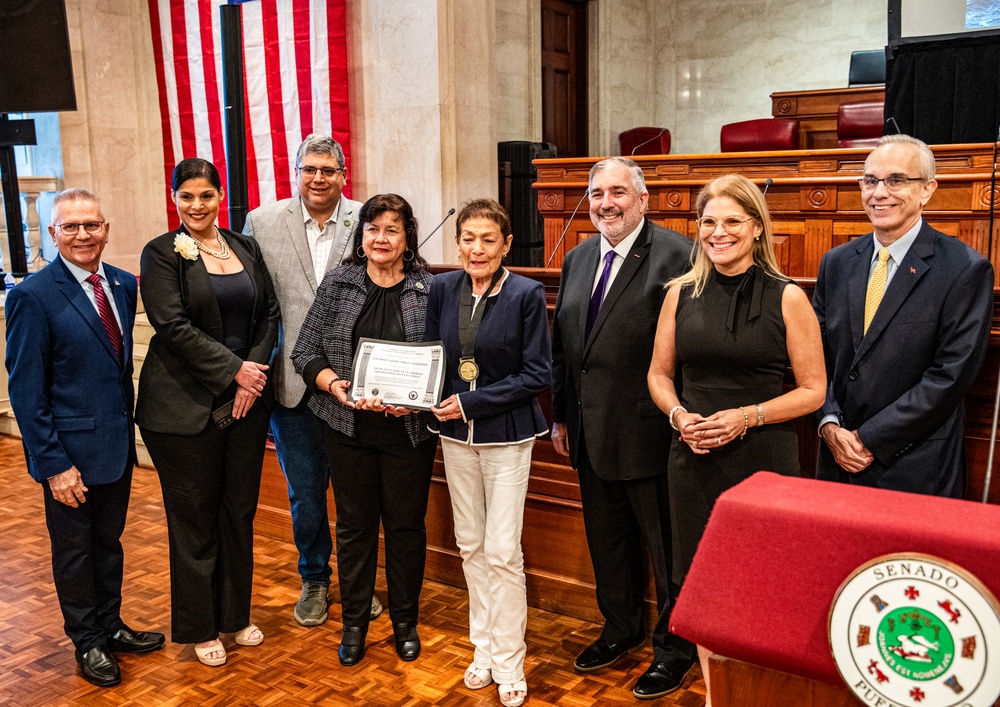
<point x="867" y="68"/>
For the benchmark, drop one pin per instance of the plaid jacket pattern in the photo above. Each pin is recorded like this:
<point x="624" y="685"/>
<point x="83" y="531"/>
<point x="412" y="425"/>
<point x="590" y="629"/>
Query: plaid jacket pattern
<point x="327" y="331"/>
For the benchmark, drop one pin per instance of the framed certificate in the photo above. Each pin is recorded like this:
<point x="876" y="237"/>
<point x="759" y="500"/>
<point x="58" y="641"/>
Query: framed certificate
<point x="403" y="374"/>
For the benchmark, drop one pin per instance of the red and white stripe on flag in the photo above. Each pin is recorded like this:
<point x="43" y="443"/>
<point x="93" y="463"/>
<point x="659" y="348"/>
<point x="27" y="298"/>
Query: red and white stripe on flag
<point x="295" y="78"/>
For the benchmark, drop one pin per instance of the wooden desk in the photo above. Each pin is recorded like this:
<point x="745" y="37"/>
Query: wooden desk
<point x="814" y="199"/>
<point x="816" y="111"/>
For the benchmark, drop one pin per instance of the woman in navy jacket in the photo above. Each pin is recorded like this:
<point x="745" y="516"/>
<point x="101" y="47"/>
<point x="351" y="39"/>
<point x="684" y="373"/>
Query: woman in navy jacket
<point x="488" y="423"/>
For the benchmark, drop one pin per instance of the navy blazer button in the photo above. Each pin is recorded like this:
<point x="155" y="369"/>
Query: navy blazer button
<point x="853" y="375"/>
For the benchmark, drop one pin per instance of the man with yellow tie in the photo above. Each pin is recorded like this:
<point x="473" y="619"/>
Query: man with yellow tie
<point x="905" y="313"/>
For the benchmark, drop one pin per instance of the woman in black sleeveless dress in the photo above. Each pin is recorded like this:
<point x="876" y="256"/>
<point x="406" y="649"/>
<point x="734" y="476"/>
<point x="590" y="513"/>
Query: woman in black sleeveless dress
<point x="731" y="326"/>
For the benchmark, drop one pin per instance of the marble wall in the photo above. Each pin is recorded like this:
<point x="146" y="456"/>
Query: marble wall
<point x="422" y="106"/>
<point x="112" y="143"/>
<point x="694" y="65"/>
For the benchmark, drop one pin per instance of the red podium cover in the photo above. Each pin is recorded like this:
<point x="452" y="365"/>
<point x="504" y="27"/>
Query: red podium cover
<point x="776" y="550"/>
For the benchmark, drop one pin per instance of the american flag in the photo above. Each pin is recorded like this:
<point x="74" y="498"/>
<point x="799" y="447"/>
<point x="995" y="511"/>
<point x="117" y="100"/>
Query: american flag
<point x="295" y="61"/>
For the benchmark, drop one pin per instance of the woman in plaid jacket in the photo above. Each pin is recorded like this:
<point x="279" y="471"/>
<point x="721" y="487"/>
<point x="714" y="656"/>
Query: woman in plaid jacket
<point x="380" y="456"/>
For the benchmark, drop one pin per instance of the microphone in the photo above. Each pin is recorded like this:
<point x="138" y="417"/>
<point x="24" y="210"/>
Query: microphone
<point x="655" y="137"/>
<point x="892" y="120"/>
<point x="586" y="193"/>
<point x="767" y="185"/>
<point x="447" y="216"/>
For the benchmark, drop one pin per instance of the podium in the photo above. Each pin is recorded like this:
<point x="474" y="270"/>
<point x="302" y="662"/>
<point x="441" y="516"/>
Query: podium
<point x="773" y="556"/>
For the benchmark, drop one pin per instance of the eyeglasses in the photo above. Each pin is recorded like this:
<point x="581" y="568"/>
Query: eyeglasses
<point x="71" y="229"/>
<point x="730" y="225"/>
<point x="328" y="172"/>
<point x="870" y="183"/>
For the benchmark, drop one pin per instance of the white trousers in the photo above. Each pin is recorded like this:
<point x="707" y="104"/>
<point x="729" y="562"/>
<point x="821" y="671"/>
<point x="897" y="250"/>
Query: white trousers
<point x="487" y="487"/>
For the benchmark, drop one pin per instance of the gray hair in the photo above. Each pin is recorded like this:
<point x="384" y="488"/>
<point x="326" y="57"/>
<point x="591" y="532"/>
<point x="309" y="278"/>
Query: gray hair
<point x="74" y="194"/>
<point x="928" y="167"/>
<point x="638" y="181"/>
<point x="316" y="144"/>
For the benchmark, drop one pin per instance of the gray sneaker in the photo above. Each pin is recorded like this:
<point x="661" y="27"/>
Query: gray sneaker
<point x="311" y="608"/>
<point x="376" y="607"/>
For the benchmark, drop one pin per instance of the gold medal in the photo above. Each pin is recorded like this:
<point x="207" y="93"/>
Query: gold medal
<point x="468" y="370"/>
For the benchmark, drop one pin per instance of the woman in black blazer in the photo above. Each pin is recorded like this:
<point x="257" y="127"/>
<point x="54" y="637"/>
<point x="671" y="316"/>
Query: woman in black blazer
<point x="203" y="407"/>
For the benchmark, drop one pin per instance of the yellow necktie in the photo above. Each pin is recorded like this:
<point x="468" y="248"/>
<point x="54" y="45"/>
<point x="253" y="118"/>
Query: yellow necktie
<point x="876" y="287"/>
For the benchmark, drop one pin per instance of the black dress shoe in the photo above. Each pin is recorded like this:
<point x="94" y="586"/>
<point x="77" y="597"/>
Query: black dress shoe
<point x="407" y="641"/>
<point x="99" y="667"/>
<point x="352" y="645"/>
<point x="129" y="641"/>
<point x="661" y="679"/>
<point x="601" y="653"/>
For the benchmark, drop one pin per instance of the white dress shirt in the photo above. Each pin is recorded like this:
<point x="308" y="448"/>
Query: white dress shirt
<point x="81" y="276"/>
<point x="320" y="240"/>
<point x="621" y="252"/>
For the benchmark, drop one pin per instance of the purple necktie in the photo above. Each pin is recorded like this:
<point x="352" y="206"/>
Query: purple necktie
<point x="597" y="299"/>
<point x="107" y="316"/>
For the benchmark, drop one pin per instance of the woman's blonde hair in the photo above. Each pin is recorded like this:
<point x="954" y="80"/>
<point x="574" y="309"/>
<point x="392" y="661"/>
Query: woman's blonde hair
<point x="748" y="196"/>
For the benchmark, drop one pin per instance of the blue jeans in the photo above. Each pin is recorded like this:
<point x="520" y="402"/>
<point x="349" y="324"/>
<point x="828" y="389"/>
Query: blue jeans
<point x="298" y="439"/>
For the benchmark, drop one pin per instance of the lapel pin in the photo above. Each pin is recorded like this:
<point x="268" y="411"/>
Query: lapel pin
<point x="420" y="285"/>
<point x="635" y="255"/>
<point x="117" y="284"/>
<point x="347" y="222"/>
<point x="913" y="271"/>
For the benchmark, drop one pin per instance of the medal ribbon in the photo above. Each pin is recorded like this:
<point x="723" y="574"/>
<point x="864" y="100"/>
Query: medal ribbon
<point x="469" y="319"/>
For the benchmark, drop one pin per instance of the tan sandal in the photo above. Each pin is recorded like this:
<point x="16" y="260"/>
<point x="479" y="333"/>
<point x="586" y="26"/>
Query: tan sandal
<point x="203" y="654"/>
<point x="483" y="675"/>
<point x="246" y="637"/>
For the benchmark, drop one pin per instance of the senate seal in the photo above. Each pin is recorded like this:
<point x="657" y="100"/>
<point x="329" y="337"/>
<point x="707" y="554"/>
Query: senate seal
<point x="468" y="370"/>
<point x="912" y="629"/>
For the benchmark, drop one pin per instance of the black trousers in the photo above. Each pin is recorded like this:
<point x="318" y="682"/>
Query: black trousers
<point x="87" y="560"/>
<point x="387" y="481"/>
<point x="619" y="516"/>
<point x="210" y="483"/>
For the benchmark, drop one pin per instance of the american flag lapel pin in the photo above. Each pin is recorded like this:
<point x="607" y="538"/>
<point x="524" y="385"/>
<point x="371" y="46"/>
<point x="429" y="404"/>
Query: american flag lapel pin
<point x="117" y="284"/>
<point x="913" y="271"/>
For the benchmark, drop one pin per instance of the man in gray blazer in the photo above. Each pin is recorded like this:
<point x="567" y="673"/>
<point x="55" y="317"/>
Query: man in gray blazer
<point x="610" y="294"/>
<point x="301" y="239"/>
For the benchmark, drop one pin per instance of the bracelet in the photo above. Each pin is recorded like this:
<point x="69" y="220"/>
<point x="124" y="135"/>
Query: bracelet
<point x="746" y="423"/>
<point x="760" y="415"/>
<point x="670" y="415"/>
<point x="329" y="386"/>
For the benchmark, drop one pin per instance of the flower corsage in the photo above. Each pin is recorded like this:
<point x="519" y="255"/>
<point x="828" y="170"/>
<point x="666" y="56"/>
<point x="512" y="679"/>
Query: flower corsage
<point x="186" y="246"/>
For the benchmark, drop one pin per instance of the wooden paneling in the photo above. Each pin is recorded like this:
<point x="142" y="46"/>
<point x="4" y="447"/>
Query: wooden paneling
<point x="814" y="198"/>
<point x="816" y="111"/>
<point x="734" y="683"/>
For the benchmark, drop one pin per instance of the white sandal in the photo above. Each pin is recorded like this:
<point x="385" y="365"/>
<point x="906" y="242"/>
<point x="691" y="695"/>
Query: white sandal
<point x="519" y="686"/>
<point x="482" y="674"/>
<point x="244" y="637"/>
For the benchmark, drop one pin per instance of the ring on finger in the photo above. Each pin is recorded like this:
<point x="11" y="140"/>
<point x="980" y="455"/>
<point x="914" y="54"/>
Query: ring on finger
<point x="720" y="440"/>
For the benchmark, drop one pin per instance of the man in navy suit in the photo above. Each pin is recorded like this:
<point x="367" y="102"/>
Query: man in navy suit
<point x="69" y="356"/>
<point x="905" y="313"/>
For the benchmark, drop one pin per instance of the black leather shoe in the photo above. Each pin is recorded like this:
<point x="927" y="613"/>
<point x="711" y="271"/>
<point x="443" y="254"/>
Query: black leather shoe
<point x="601" y="653"/>
<point x="352" y="645"/>
<point x="661" y="679"/>
<point x="129" y="641"/>
<point x="99" y="667"/>
<point x="407" y="641"/>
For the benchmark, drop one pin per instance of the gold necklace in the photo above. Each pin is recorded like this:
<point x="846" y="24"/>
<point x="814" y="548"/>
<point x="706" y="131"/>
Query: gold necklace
<point x="222" y="254"/>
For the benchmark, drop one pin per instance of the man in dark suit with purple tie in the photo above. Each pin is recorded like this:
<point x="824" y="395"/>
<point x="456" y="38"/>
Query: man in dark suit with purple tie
<point x="69" y="356"/>
<point x="610" y="293"/>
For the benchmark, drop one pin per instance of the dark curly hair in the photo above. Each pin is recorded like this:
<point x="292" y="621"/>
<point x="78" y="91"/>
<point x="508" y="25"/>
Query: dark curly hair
<point x="375" y="207"/>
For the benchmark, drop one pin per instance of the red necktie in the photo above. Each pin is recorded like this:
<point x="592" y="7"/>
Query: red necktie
<point x="107" y="316"/>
